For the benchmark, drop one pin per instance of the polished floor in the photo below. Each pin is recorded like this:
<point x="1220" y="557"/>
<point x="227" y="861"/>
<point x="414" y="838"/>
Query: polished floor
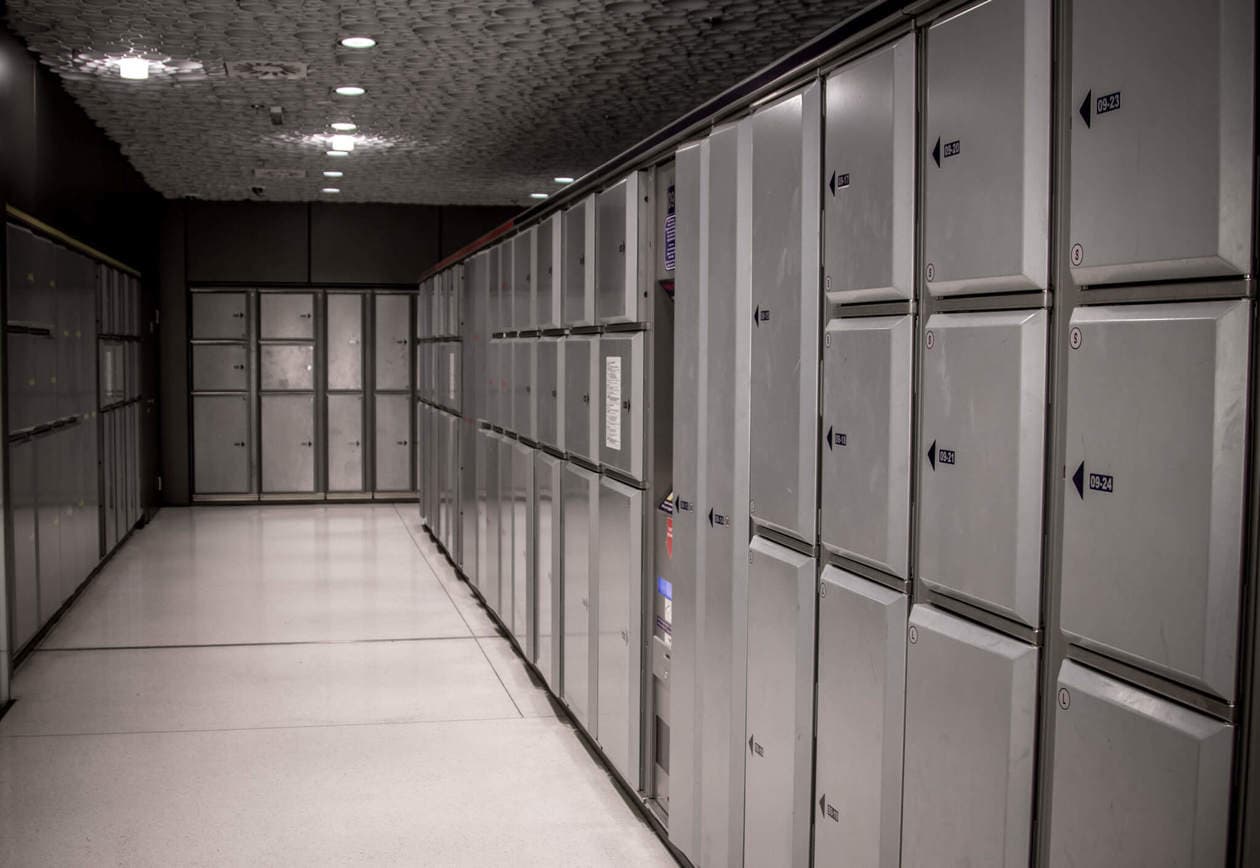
<point x="294" y="686"/>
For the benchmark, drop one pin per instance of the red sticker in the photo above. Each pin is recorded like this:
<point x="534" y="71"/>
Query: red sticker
<point x="669" y="537"/>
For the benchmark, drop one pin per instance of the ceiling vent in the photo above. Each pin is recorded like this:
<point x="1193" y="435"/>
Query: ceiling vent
<point x="266" y="70"/>
<point x="281" y="174"/>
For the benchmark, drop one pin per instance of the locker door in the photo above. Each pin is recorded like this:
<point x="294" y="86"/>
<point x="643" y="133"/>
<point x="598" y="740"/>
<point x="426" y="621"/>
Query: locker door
<point x="867" y="384"/>
<point x="286" y="316"/>
<point x="507" y="300"/>
<point x="547" y="287"/>
<point x="393" y="342"/>
<point x="454" y="458"/>
<point x="580" y="395"/>
<point x="869" y="165"/>
<point x="1179" y="91"/>
<point x="523" y="373"/>
<point x="345" y="342"/>
<point x="488" y="518"/>
<point x="22" y="491"/>
<point x="579" y="264"/>
<point x="549" y="410"/>
<point x="27" y="357"/>
<point x="1153" y="511"/>
<point x="861" y="717"/>
<point x="49" y="460"/>
<point x="622" y="407"/>
<point x="523" y="281"/>
<point x="981" y="459"/>
<point x="288" y="443"/>
<point x="424" y="313"/>
<point x="468" y="540"/>
<point x="580" y="529"/>
<point x="523" y="538"/>
<point x="547" y="567"/>
<point x="286" y="367"/>
<point x="217" y="316"/>
<point x="393" y="443"/>
<point x="986" y="170"/>
<point x="108" y="481"/>
<point x="220" y="367"/>
<point x="65" y="324"/>
<point x="618" y="220"/>
<point x="619" y="615"/>
<point x="220" y="444"/>
<point x="491" y="382"/>
<point x="786" y="300"/>
<point x="23" y="291"/>
<point x="971" y="700"/>
<point x="1137" y="781"/>
<point x="507" y="527"/>
<point x="345" y="443"/>
<point x="507" y="382"/>
<point x="455" y="310"/>
<point x="453" y="377"/>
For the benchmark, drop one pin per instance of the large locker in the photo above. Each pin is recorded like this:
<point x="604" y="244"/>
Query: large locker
<point x="986" y="170"/>
<point x="1161" y="158"/>
<point x="345" y="443"/>
<point x="861" y="716"/>
<point x="218" y="316"/>
<point x="523" y="543"/>
<point x="288" y="443"/>
<point x="493" y="295"/>
<point x="780" y="723"/>
<point x="619" y="616"/>
<point x="623" y="411"/>
<point x="549" y="393"/>
<point x="548" y="292"/>
<point x="507" y="529"/>
<point x="581" y="391"/>
<point x="523" y="375"/>
<point x="523" y="266"/>
<point x="865" y="473"/>
<point x="455" y="301"/>
<point x="579" y="492"/>
<point x="109" y="487"/>
<point x="868" y="209"/>
<point x="29" y="357"/>
<point x="507" y="382"/>
<point x="50" y="470"/>
<point x="393" y="443"/>
<point x="506" y="314"/>
<point x="220" y="367"/>
<point x="393" y="342"/>
<point x="23" y="296"/>
<point x="786" y="301"/>
<point x="468" y="541"/>
<point x="286" y="316"/>
<point x="221" y="459"/>
<point x="547" y="567"/>
<point x="493" y="403"/>
<point x="487" y="576"/>
<point x="345" y="342"/>
<point x="1155" y="495"/>
<point x="971" y="708"/>
<point x="22" y="497"/>
<point x="981" y="459"/>
<point x="425" y="309"/>
<point x="622" y="238"/>
<point x="578" y="266"/>
<point x="286" y="367"/>
<point x="1138" y="781"/>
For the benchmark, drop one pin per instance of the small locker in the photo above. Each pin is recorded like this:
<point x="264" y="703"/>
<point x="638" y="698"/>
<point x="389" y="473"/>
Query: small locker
<point x="393" y="342"/>
<point x="861" y="716"/>
<point x="547" y="567"/>
<point x="1154" y="493"/>
<point x="622" y="239"/>
<point x="619" y="615"/>
<point x="221" y="459"/>
<point x="1138" y="781"/>
<point x="345" y="342"/>
<point x="449" y="469"/>
<point x="548" y="297"/>
<point x="581" y="392"/>
<point x="780" y="719"/>
<point x="868" y="205"/>
<point x="523" y="531"/>
<point x="1161" y="158"/>
<point x="865" y="453"/>
<point x="580" y="531"/>
<point x="523" y="281"/>
<point x="220" y="367"/>
<point x="288" y="443"/>
<point x="454" y="377"/>
<point x="578" y="267"/>
<point x="986" y="166"/>
<point x="549" y="388"/>
<point x="217" y="316"/>
<point x="286" y="367"/>
<point x="487" y="576"/>
<point x="981" y="459"/>
<point x="971" y="703"/>
<point x="786" y="301"/>
<point x="393" y="443"/>
<point x="345" y="442"/>
<point x="523" y="373"/>
<point x="286" y="316"/>
<point x="621" y="407"/>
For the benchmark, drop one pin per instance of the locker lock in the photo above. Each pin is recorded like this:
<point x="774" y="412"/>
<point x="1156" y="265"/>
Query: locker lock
<point x="238" y="367"/>
<point x="307" y="443"/>
<point x="240" y="444"/>
<point x="304" y="316"/>
<point x="238" y="315"/>
<point x="586" y="399"/>
<point x="402" y="442"/>
<point x="625" y="405"/>
<point x="355" y="443"/>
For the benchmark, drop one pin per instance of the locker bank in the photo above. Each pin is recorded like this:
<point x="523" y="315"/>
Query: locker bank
<point x="630" y="433"/>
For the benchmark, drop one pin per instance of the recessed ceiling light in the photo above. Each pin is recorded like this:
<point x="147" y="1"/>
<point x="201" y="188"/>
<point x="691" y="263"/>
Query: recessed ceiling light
<point x="338" y="153"/>
<point x="343" y="126"/>
<point x="358" y="42"/>
<point x="331" y="190"/>
<point x="133" y="68"/>
<point x="342" y="143"/>
<point x="538" y="195"/>
<point x="331" y="174"/>
<point x="351" y="90"/>
<point x="564" y="180"/>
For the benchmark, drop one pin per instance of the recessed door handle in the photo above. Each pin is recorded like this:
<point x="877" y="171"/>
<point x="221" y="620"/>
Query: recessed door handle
<point x="307" y="443"/>
<point x="355" y="443"/>
<point x="238" y="367"/>
<point x="401" y="341"/>
<point x="402" y="442"/>
<point x="240" y="444"/>
<point x="304" y="316"/>
<point x="239" y="315"/>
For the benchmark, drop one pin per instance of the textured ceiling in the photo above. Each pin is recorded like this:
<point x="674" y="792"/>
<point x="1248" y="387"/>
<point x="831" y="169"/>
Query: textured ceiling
<point x="468" y="101"/>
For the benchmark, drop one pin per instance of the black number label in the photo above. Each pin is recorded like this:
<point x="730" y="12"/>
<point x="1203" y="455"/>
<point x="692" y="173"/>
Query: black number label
<point x="945" y="456"/>
<point x="1108" y="103"/>
<point x="1102" y="482"/>
<point x="842" y="180"/>
<point x="954" y="148"/>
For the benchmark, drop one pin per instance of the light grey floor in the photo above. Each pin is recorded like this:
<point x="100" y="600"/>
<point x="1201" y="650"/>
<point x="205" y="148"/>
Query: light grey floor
<point x="294" y="686"/>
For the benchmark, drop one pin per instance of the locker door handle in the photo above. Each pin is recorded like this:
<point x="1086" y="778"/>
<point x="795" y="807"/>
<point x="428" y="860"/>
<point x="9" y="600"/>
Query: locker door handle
<point x="401" y="341"/>
<point x="625" y="405"/>
<point x="586" y="399"/>
<point x="238" y="367"/>
<point x="304" y="316"/>
<point x="239" y="315"/>
<point x="355" y="443"/>
<point x="307" y="443"/>
<point x="402" y="442"/>
<point x="239" y="444"/>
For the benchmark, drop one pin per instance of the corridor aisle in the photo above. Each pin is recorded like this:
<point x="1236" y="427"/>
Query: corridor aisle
<point x="299" y="685"/>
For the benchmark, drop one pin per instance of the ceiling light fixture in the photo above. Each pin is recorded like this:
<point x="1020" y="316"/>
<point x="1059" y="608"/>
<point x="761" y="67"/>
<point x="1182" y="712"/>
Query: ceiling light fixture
<point x="338" y="153"/>
<point x="351" y="90"/>
<point x="343" y="126"/>
<point x="564" y="180"/>
<point x="331" y="190"/>
<point x="331" y="174"/>
<point x="359" y="42"/>
<point x="538" y="195"/>
<point x="133" y="68"/>
<point x="342" y="143"/>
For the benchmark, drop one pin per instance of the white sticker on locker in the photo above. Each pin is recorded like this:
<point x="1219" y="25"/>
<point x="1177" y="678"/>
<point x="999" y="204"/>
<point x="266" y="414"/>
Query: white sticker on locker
<point x="612" y="402"/>
<point x="450" y="369"/>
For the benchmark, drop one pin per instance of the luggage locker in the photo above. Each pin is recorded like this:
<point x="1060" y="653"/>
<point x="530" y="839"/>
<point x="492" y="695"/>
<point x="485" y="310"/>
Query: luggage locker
<point x="220" y="367"/>
<point x="623" y="241"/>
<point x="50" y="470"/>
<point x="393" y="342"/>
<point x="581" y="394"/>
<point x="288" y="444"/>
<point x="548" y="292"/>
<point x="548" y="566"/>
<point x="507" y="530"/>
<point x="578" y="275"/>
<point x="523" y="542"/>
<point x="622" y="407"/>
<point x="523" y="373"/>
<point x="580" y="530"/>
<point x="286" y="367"/>
<point x="286" y="316"/>
<point x="549" y="393"/>
<point x="345" y="443"/>
<point x="523" y="265"/>
<point x="215" y="316"/>
<point x="221" y="444"/>
<point x="23" y="493"/>
<point x="487" y="577"/>
<point x="468" y="538"/>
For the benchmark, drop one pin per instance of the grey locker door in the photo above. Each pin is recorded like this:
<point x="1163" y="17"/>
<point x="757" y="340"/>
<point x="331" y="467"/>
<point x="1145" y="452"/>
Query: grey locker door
<point x="1153" y="511"/>
<point x="580" y="529"/>
<point x="1179" y="91"/>
<point x="523" y="422"/>
<point x="865" y="454"/>
<point x="580" y="395"/>
<point x="50" y="460"/>
<point x="621" y="406"/>
<point x="220" y="367"/>
<point x="287" y="425"/>
<point x="221" y="455"/>
<point x="453" y="376"/>
<point x="345" y="342"/>
<point x="619" y="615"/>
<point x="217" y="316"/>
<point x="393" y="342"/>
<point x="523" y="541"/>
<point x="971" y="702"/>
<point x="781" y="599"/>
<point x="21" y="273"/>
<point x="492" y="311"/>
<point x="286" y="367"/>
<point x="393" y="443"/>
<point x="345" y="443"/>
<point x="22" y="492"/>
<point x="468" y="541"/>
<point x="286" y="316"/>
<point x="26" y="356"/>
<point x="986" y="172"/>
<point x="578" y="275"/>
<point x="507" y="529"/>
<point x="547" y="566"/>
<point x="547" y="409"/>
<point x="786" y="301"/>
<point x="523" y="281"/>
<point x="488" y="518"/>
<point x="507" y="382"/>
<point x="109" y="483"/>
<point x="547" y="285"/>
<point x="507" y="300"/>
<point x="424" y="315"/>
<point x="1138" y="781"/>
<point x="868" y="210"/>
<point x="617" y="249"/>
<point x="981" y="459"/>
<point x="861" y="717"/>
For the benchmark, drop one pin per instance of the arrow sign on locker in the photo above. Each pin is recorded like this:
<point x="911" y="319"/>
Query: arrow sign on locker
<point x="936" y="152"/>
<point x="932" y="454"/>
<point x="1087" y="115"/>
